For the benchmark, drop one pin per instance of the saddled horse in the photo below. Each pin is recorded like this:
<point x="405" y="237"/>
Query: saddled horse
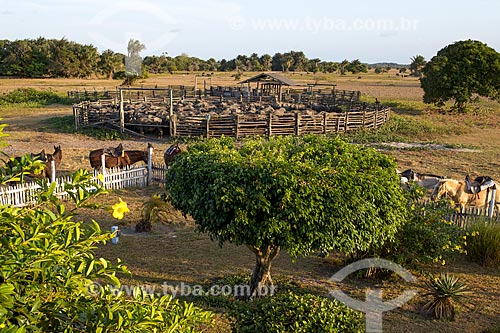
<point x="426" y="180"/>
<point x="112" y="159"/>
<point x="457" y="191"/>
<point x="171" y="153"/>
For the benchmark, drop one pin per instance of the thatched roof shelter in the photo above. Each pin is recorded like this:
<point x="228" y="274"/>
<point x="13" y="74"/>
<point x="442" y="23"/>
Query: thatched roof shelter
<point x="269" y="84"/>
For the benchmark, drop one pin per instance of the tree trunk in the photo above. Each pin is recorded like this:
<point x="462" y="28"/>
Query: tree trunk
<point x="262" y="271"/>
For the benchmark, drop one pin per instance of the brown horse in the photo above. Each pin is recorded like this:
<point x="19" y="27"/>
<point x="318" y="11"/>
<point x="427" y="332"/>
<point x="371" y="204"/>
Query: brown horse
<point x="456" y="190"/>
<point x="46" y="158"/>
<point x="57" y="158"/>
<point x="129" y="157"/>
<point x="171" y="153"/>
<point x="41" y="156"/>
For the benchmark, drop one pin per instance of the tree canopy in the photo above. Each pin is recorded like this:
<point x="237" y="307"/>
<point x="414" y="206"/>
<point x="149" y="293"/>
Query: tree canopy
<point x="416" y="65"/>
<point x="301" y="194"/>
<point x="460" y="72"/>
<point x="62" y="58"/>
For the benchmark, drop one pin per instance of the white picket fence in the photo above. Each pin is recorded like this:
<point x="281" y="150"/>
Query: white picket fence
<point x="21" y="195"/>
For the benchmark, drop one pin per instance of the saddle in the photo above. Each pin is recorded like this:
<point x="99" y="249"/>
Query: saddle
<point x="479" y="184"/>
<point x="409" y="174"/>
<point x="173" y="149"/>
<point x="114" y="152"/>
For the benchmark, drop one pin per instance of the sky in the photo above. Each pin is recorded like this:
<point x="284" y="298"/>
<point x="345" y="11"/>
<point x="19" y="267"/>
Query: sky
<point x="371" y="31"/>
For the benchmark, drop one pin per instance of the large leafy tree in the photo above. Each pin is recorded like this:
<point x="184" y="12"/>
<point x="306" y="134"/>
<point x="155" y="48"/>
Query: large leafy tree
<point x="110" y="62"/>
<point x="460" y="72"/>
<point x="300" y="194"/>
<point x="356" y="67"/>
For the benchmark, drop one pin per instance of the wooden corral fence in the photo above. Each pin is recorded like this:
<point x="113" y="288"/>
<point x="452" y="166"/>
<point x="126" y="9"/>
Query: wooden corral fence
<point x="178" y="91"/>
<point x="244" y="125"/>
<point x="471" y="215"/>
<point x="325" y="96"/>
<point x="358" y="116"/>
<point x="348" y="114"/>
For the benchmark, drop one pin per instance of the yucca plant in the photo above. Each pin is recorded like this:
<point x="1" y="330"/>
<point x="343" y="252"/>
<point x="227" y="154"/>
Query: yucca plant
<point x="444" y="290"/>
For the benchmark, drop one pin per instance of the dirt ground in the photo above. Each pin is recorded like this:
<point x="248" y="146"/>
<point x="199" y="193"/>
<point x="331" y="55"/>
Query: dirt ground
<point x="26" y="134"/>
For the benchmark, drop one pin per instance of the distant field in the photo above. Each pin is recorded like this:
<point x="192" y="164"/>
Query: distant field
<point x="403" y="94"/>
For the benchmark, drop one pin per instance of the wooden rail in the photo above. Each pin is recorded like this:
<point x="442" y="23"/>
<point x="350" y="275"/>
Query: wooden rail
<point x="244" y="125"/>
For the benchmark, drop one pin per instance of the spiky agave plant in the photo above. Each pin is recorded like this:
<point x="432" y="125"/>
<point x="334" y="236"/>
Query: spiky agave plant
<point x="444" y="290"/>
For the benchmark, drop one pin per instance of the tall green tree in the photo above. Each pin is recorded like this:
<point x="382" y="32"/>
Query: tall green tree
<point x="460" y="72"/>
<point x="356" y="67"/>
<point x="110" y="62"/>
<point x="417" y="63"/>
<point x="266" y="61"/>
<point x="342" y="68"/>
<point x="300" y="194"/>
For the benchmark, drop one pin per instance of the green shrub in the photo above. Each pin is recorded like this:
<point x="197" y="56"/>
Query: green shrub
<point x="32" y="97"/>
<point x="156" y="209"/>
<point x="51" y="281"/>
<point x="483" y="246"/>
<point x="426" y="236"/>
<point x="292" y="313"/>
<point x="120" y="75"/>
<point x="48" y="275"/>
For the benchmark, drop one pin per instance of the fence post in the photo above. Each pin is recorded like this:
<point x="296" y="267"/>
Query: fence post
<point x="297" y="123"/>
<point x="52" y="171"/>
<point x="150" y="163"/>
<point x="491" y="208"/>
<point x="122" y="113"/>
<point x="103" y="170"/>
<point x="76" y="114"/>
<point x="237" y="127"/>
<point x="207" y="128"/>
<point x="324" y="122"/>
<point x="269" y="124"/>
<point x="171" y="109"/>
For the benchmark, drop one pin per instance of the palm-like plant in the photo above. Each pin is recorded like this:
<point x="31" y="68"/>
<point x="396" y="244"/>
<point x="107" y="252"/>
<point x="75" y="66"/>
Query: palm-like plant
<point x="444" y="291"/>
<point x="155" y="209"/>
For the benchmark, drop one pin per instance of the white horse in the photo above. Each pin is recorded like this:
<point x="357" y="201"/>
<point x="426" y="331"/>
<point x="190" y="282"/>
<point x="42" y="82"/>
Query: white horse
<point x="426" y="180"/>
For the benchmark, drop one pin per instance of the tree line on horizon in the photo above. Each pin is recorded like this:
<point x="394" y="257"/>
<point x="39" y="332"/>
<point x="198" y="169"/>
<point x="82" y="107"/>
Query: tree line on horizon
<point x="41" y="57"/>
